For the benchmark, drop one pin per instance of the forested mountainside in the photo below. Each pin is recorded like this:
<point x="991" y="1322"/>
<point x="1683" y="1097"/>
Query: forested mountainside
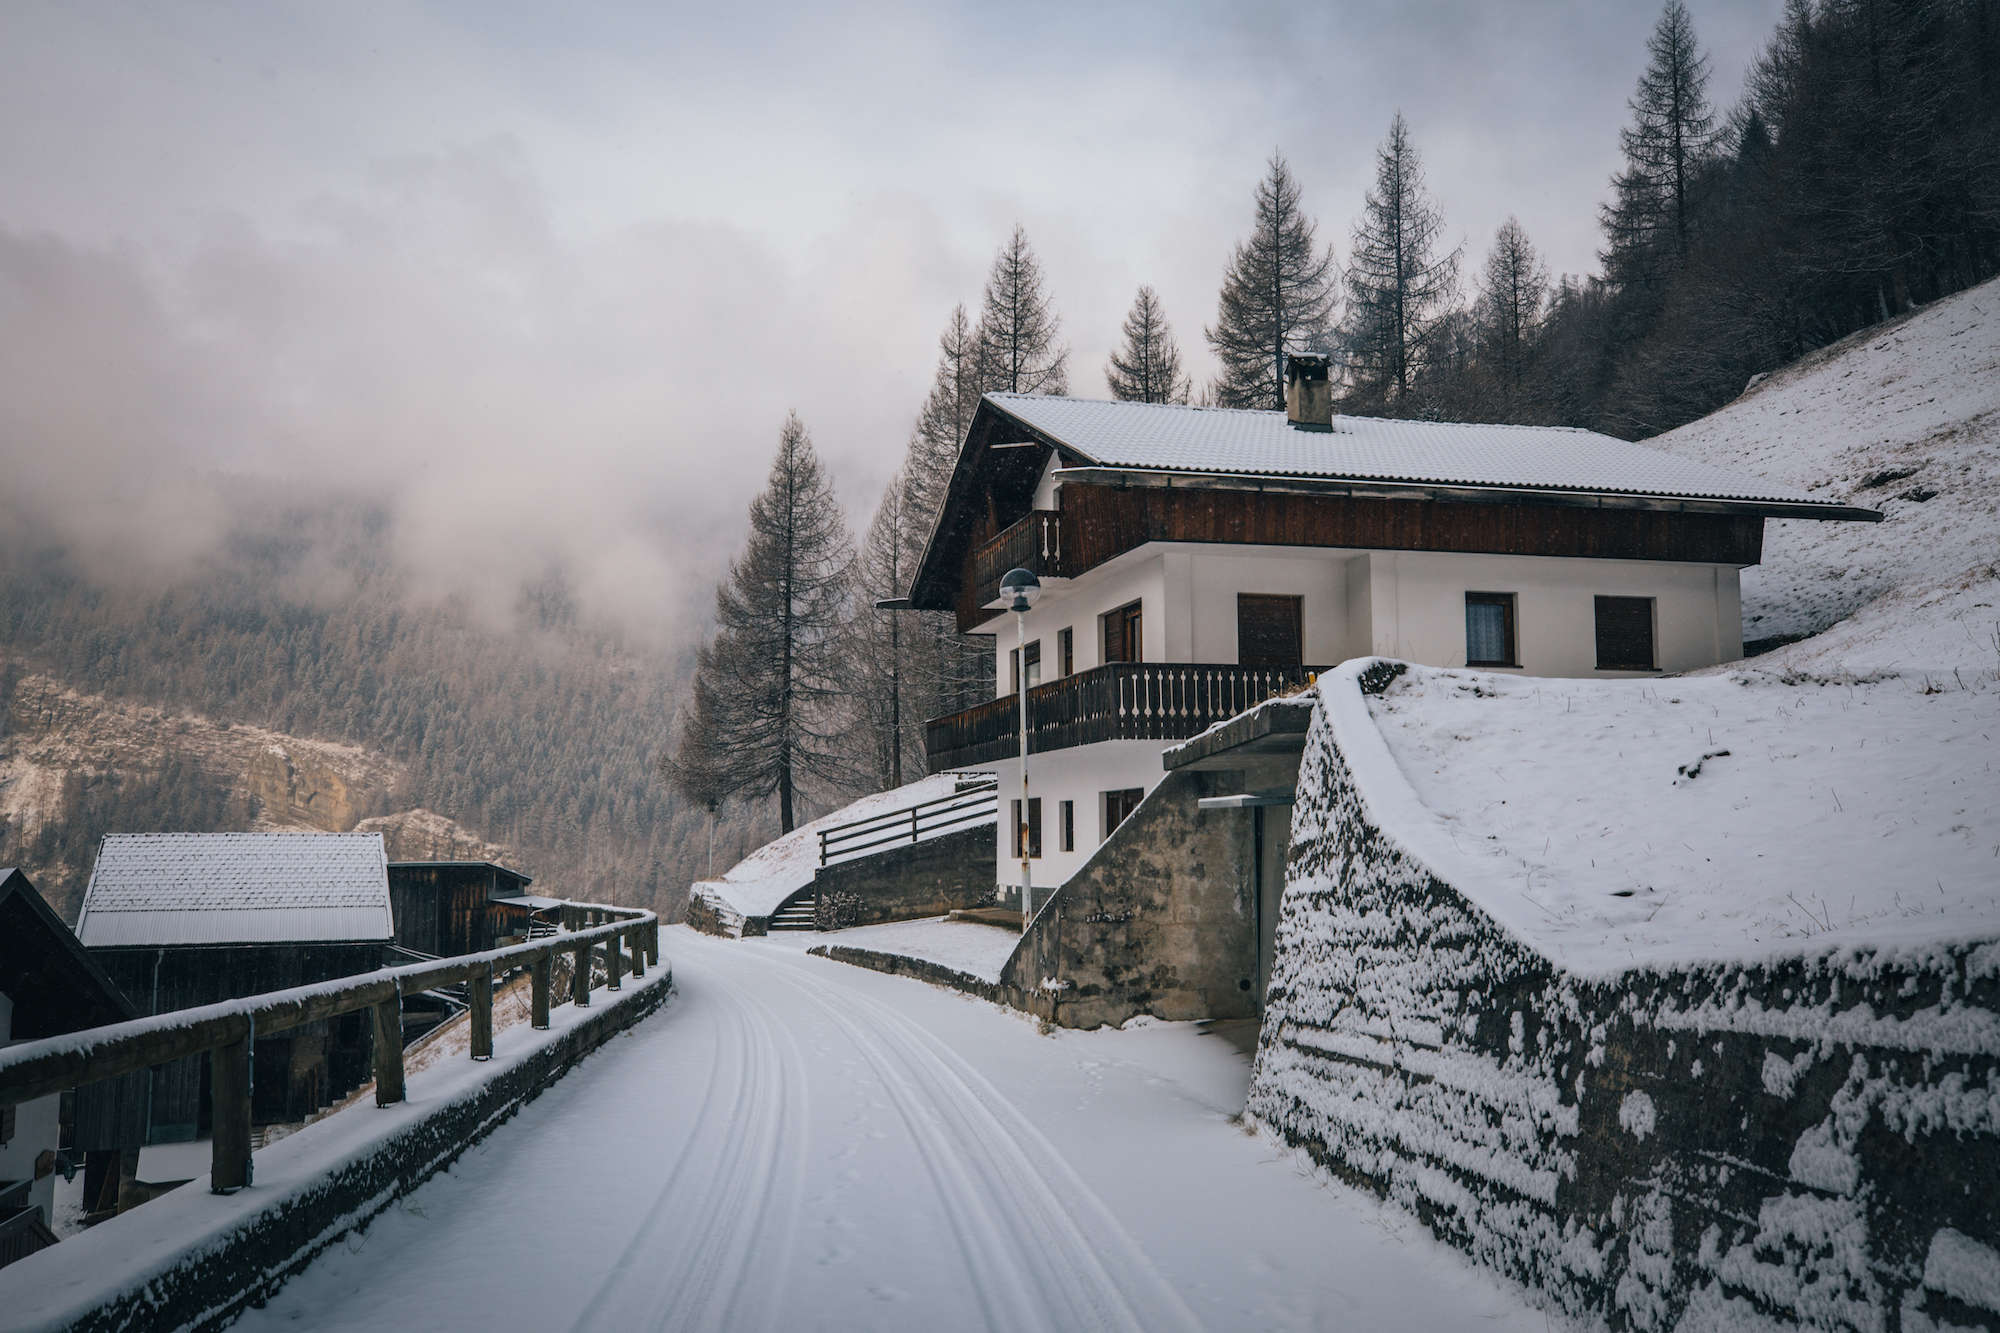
<point x="538" y="736"/>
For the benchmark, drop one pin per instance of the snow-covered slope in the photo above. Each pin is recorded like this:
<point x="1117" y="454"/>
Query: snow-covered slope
<point x="761" y="881"/>
<point x="1903" y="418"/>
<point x="1842" y="790"/>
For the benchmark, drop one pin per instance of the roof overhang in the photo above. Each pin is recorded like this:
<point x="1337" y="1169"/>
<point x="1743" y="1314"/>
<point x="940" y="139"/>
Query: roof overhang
<point x="1344" y="487"/>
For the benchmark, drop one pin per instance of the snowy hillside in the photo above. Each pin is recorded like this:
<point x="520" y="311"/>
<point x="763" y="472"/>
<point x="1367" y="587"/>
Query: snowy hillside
<point x="1838" y="791"/>
<point x="1903" y="418"/>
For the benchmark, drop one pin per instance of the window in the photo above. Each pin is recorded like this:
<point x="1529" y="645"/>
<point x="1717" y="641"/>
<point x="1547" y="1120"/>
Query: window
<point x="1489" y="629"/>
<point x="1268" y="631"/>
<point x="1118" y="804"/>
<point x="6" y="1125"/>
<point x="1065" y="652"/>
<point x="1034" y="667"/>
<point x="1625" y="634"/>
<point x="1122" y="634"/>
<point x="1067" y="833"/>
<point x="1033" y="828"/>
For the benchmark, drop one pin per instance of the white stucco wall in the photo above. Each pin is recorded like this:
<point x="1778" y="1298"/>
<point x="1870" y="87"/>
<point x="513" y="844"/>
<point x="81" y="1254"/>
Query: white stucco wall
<point x="1417" y="608"/>
<point x="38" y="1129"/>
<point x="1403" y="604"/>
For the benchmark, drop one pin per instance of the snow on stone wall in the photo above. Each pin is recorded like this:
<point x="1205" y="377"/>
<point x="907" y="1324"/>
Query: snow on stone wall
<point x="1813" y="1139"/>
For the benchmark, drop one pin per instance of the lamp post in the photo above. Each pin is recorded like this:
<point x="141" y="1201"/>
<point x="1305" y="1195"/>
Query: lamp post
<point x="1019" y="588"/>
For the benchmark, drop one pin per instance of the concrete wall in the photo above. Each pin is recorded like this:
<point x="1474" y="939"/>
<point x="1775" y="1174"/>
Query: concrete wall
<point x="927" y="878"/>
<point x="1807" y="1140"/>
<point x="1081" y="774"/>
<point x="1161" y="920"/>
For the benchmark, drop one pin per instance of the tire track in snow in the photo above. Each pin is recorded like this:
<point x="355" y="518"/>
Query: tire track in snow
<point x="693" y="1262"/>
<point x="1011" y="1195"/>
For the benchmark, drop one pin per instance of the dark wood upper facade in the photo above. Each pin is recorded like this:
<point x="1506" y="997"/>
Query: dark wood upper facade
<point x="988" y="524"/>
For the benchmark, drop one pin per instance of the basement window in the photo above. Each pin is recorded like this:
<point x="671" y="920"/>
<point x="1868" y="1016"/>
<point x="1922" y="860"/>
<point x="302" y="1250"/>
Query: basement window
<point x="1625" y="634"/>
<point x="1067" y="818"/>
<point x="1033" y="828"/>
<point x="1118" y="804"/>
<point x="1489" y="629"/>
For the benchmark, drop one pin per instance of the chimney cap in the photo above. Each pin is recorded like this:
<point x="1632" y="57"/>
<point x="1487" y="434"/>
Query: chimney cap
<point x="1305" y="365"/>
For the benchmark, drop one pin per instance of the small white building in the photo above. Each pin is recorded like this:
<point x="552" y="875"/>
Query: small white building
<point x="1195" y="561"/>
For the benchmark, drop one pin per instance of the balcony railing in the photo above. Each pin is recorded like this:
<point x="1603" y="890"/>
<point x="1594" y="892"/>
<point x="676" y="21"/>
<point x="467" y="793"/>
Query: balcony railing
<point x="1034" y="544"/>
<point x="1123" y="701"/>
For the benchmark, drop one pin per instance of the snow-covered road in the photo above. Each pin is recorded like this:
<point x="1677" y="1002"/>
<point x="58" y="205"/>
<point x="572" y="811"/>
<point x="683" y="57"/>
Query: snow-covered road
<point x="794" y="1143"/>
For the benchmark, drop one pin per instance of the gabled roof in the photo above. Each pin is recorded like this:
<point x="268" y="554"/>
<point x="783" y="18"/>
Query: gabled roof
<point x="55" y="986"/>
<point x="1231" y="441"/>
<point x="153" y="889"/>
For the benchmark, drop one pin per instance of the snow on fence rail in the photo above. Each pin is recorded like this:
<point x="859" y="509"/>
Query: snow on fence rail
<point x="971" y="805"/>
<point x="228" y="1031"/>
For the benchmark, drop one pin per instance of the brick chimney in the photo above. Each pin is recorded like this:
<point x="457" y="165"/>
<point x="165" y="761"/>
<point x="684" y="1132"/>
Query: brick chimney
<point x="1308" y="393"/>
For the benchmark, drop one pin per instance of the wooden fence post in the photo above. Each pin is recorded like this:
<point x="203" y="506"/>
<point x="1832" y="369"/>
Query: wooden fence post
<point x="579" y="987"/>
<point x="229" y="1110"/>
<point x="653" y="942"/>
<point x="480" y="991"/>
<point x="635" y="940"/>
<point x="614" y="963"/>
<point x="389" y="1050"/>
<point x="538" y="972"/>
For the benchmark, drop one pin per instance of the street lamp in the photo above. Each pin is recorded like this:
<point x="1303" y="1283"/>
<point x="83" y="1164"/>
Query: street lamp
<point x="1019" y="588"/>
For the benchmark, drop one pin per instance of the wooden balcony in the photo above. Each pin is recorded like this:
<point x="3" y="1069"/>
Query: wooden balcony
<point x="1034" y="544"/>
<point x="1125" y="701"/>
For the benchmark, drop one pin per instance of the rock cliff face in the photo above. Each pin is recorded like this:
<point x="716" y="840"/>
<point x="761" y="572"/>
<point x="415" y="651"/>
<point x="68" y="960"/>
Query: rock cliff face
<point x="58" y="745"/>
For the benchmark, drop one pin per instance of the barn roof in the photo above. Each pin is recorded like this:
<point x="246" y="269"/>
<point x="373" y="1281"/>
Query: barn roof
<point x="153" y="889"/>
<point x="56" y="987"/>
<point x="1235" y="441"/>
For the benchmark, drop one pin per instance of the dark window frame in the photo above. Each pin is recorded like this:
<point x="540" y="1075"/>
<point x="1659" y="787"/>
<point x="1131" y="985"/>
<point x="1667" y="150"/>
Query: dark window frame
<point x="1034" y="828"/>
<point x="1014" y="666"/>
<point x="1510" y="626"/>
<point x="1066" y="650"/>
<point x="1619" y="634"/>
<point x="1129" y="624"/>
<point x="1066" y="825"/>
<point x="1297" y="656"/>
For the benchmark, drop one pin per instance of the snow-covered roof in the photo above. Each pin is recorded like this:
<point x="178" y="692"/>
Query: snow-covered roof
<point x="151" y="889"/>
<point x="1232" y="441"/>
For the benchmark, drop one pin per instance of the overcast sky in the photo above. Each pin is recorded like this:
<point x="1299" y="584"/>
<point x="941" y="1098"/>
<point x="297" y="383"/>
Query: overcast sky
<point x="560" y="270"/>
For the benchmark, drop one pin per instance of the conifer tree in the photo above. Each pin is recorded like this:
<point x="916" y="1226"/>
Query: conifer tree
<point x="1147" y="368"/>
<point x="1018" y="351"/>
<point x="773" y="670"/>
<point x="697" y="768"/>
<point x="1277" y="297"/>
<point x="1401" y="292"/>
<point x="1650" y="219"/>
<point x="884" y="647"/>
<point x="1512" y="295"/>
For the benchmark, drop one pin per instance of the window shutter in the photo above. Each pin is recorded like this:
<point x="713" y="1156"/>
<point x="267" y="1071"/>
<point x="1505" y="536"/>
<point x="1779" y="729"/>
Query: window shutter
<point x="1625" y="634"/>
<point x="1268" y="631"/>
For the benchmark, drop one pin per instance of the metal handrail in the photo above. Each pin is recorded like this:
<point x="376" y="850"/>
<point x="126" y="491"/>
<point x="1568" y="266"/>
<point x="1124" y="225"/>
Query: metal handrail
<point x="908" y="824"/>
<point x="227" y="1030"/>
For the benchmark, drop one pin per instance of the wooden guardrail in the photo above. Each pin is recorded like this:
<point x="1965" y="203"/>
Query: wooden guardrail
<point x="228" y="1031"/>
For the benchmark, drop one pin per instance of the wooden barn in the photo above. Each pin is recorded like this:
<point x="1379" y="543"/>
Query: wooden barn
<point x="48" y="987"/>
<point x="184" y="919"/>
<point x="452" y="907"/>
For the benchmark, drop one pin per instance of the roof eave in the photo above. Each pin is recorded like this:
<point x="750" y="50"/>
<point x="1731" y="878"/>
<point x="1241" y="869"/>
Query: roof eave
<point x="1112" y="475"/>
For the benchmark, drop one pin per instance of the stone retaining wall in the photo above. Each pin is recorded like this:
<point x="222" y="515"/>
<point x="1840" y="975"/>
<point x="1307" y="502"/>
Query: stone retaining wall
<point x="1810" y="1140"/>
<point x="907" y="883"/>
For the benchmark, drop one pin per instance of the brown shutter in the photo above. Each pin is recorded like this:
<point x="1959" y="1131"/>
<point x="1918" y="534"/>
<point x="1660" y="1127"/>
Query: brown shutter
<point x="1625" y="634"/>
<point x="1268" y="632"/>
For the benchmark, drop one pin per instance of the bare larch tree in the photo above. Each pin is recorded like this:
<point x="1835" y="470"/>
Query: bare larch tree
<point x="1147" y="368"/>
<point x="773" y="669"/>
<point x="1401" y="291"/>
<point x="1018" y="351"/>
<point x="1650" y="219"/>
<point x="1513" y="292"/>
<point x="1277" y="297"/>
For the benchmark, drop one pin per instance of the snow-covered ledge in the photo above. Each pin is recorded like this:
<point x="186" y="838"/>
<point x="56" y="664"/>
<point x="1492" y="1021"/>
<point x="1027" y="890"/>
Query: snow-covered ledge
<point x="192" y="1259"/>
<point x="1807" y="1135"/>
